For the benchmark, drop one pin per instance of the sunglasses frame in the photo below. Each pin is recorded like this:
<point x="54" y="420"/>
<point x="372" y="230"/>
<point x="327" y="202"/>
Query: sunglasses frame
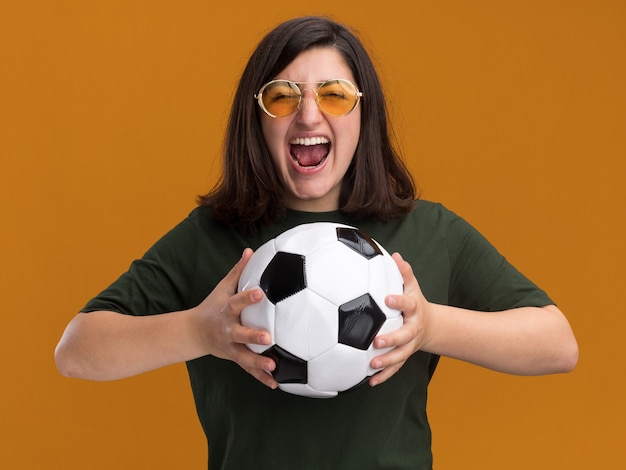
<point x="259" y="96"/>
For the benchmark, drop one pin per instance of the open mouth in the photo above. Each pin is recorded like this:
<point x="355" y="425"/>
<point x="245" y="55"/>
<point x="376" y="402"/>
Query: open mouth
<point x="309" y="152"/>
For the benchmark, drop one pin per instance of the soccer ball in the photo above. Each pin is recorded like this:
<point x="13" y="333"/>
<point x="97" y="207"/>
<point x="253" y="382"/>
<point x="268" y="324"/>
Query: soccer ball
<point x="325" y="286"/>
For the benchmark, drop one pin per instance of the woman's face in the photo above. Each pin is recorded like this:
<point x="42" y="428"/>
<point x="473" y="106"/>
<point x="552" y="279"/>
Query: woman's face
<point x="312" y="170"/>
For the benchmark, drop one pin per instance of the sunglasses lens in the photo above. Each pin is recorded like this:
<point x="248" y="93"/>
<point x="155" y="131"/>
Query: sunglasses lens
<point x="281" y="98"/>
<point x="338" y="97"/>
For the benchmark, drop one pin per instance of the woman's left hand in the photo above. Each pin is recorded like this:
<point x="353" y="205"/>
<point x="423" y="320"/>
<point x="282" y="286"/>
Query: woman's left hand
<point x="414" y="332"/>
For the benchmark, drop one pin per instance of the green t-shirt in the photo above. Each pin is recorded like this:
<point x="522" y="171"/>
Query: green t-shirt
<point x="250" y="426"/>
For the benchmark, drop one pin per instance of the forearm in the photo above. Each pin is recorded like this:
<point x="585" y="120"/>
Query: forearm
<point x="524" y="341"/>
<point x="108" y="346"/>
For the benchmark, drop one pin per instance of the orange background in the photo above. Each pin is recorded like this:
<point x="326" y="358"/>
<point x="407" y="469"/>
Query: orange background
<point x="511" y="113"/>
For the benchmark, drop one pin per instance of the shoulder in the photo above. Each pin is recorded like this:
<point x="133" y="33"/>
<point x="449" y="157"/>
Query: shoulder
<point x="431" y="233"/>
<point x="428" y="218"/>
<point x="424" y="209"/>
<point x="435" y="216"/>
<point x="185" y="238"/>
<point x="199" y="221"/>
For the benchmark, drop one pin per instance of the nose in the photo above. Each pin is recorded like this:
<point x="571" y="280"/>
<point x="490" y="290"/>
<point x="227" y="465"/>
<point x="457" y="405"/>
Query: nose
<point x="309" y="112"/>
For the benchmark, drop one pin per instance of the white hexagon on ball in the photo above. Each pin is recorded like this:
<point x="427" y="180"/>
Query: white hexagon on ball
<point x="306" y="324"/>
<point x="338" y="369"/>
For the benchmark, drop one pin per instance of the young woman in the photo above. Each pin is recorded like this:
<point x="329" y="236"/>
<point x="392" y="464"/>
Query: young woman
<point x="308" y="141"/>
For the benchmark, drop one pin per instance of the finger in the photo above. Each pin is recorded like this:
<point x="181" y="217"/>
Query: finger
<point x="391" y="358"/>
<point x="399" y="337"/>
<point x="389" y="363"/>
<point x="231" y="280"/>
<point x="251" y="361"/>
<point x="246" y="335"/>
<point x="231" y="312"/>
<point x="265" y="378"/>
<point x="408" y="276"/>
<point x="258" y="366"/>
<point x="384" y="375"/>
<point x="237" y="302"/>
<point x="409" y="308"/>
<point x="406" y="303"/>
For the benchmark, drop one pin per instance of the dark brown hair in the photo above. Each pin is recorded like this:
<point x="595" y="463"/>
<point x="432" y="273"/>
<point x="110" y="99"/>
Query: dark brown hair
<point x="377" y="184"/>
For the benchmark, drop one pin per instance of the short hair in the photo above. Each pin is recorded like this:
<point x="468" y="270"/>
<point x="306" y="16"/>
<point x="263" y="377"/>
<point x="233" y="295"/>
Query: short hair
<point x="377" y="185"/>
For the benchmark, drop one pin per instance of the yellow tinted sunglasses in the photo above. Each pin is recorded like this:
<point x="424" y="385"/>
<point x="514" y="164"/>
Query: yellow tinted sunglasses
<point x="280" y="98"/>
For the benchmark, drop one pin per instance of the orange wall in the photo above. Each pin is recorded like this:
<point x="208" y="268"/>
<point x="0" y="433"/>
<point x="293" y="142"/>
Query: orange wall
<point x="111" y="114"/>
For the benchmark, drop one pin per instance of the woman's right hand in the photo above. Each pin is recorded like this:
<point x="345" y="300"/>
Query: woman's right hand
<point x="222" y="331"/>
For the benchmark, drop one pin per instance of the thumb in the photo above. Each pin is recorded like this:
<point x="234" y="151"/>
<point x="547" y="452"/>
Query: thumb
<point x="231" y="280"/>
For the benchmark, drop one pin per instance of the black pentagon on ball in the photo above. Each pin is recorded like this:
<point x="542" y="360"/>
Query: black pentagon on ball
<point x="283" y="276"/>
<point x="358" y="241"/>
<point x="289" y="369"/>
<point x="359" y="322"/>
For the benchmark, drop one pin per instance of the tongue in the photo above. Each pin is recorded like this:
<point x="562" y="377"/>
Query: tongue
<point x="309" y="155"/>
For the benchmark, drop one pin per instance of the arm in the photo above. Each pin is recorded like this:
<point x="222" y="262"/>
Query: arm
<point x="107" y="345"/>
<point x="524" y="341"/>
